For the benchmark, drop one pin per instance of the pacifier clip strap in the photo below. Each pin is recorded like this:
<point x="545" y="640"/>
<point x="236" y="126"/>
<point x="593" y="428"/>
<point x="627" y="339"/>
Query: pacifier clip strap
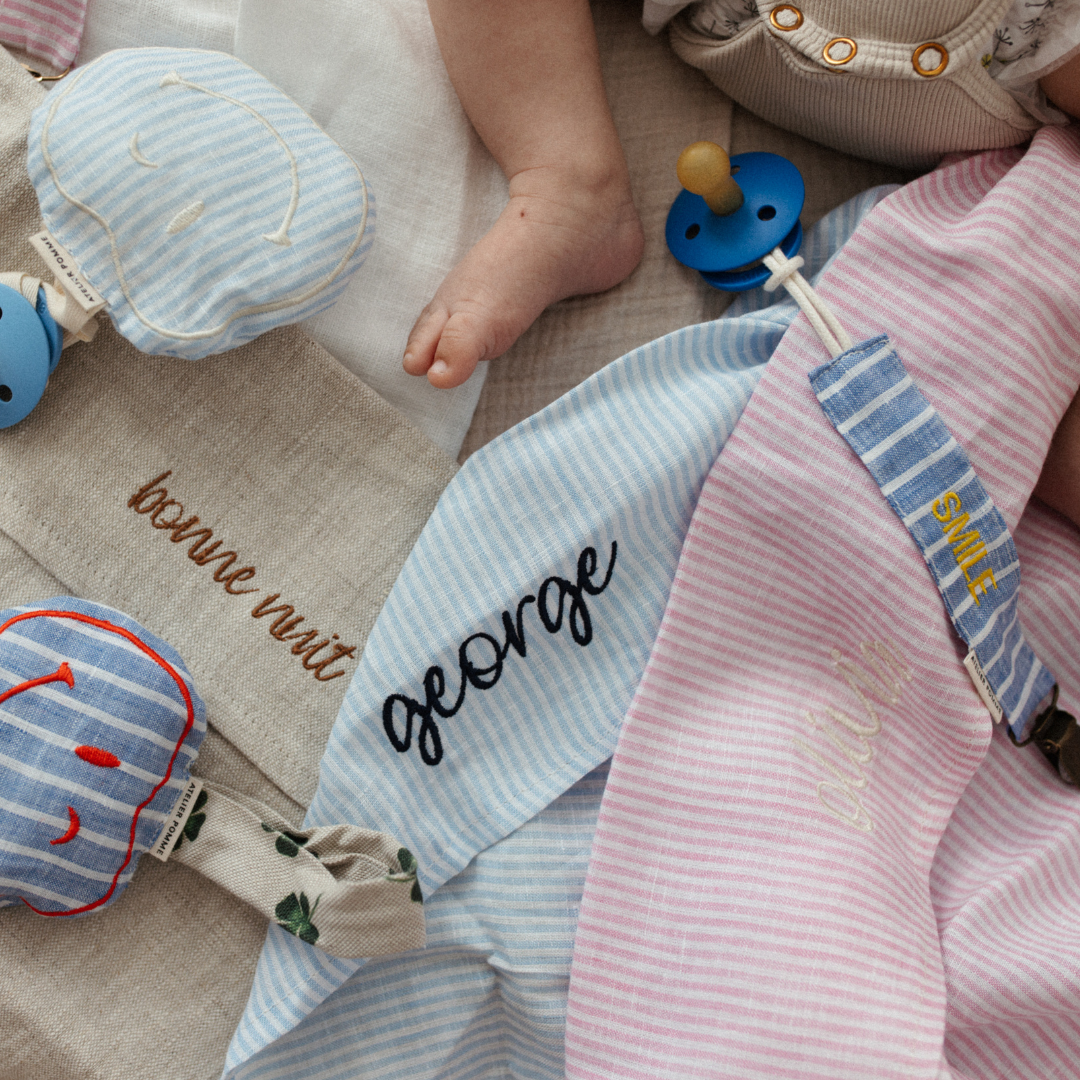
<point x="826" y="325"/>
<point x="927" y="479"/>
<point x="349" y="891"/>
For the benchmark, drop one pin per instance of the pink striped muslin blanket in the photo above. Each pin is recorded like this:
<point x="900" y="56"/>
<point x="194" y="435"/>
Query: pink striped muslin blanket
<point x="48" y="29"/>
<point x="816" y="856"/>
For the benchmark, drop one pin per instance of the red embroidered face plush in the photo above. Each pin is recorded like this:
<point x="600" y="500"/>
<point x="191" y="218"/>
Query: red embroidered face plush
<point x="99" y="725"/>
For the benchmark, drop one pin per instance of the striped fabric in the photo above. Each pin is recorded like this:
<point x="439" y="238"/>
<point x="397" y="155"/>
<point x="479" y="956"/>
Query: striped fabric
<point x="619" y="459"/>
<point x="928" y="480"/>
<point x="99" y="724"/>
<point x="48" y="29"/>
<point x="1005" y="882"/>
<point x="794" y="872"/>
<point x="203" y="204"/>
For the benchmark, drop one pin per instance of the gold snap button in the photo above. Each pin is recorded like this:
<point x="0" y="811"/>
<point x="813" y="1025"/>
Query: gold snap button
<point x="841" y="50"/>
<point x="786" y="17"/>
<point x="930" y="59"/>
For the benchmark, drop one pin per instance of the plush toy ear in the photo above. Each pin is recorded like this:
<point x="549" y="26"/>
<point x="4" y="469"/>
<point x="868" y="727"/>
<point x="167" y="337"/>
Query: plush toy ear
<point x="99" y="725"/>
<point x="196" y="198"/>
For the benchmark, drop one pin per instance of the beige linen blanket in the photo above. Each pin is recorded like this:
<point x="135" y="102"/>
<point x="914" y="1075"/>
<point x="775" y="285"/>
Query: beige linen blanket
<point x="253" y="510"/>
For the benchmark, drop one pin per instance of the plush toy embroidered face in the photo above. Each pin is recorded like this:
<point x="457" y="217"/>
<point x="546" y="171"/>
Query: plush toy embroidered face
<point x="99" y="725"/>
<point x="196" y="198"/>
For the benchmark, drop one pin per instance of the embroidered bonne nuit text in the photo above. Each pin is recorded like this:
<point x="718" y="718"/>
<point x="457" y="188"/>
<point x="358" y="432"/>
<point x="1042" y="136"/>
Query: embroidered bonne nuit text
<point x="481" y="656"/>
<point x="154" y="500"/>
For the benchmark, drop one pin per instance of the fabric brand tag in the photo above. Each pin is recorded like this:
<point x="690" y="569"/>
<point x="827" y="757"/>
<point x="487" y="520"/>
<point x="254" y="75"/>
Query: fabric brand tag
<point x="928" y="480"/>
<point x="982" y="685"/>
<point x="63" y="266"/>
<point x="162" y="849"/>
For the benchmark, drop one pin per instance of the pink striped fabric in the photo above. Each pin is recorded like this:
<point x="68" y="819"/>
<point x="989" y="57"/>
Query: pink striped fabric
<point x="795" y="874"/>
<point x="48" y="29"/>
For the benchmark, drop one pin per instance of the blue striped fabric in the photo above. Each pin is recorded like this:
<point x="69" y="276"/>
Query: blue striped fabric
<point x="928" y="480"/>
<point x="502" y="824"/>
<point x="113" y="697"/>
<point x="171" y="177"/>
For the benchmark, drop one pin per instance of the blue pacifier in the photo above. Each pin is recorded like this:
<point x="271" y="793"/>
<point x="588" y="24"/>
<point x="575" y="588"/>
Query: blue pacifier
<point x="723" y="228"/>
<point x="30" y="344"/>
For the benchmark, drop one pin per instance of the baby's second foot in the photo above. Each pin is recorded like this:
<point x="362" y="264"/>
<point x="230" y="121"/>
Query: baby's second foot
<point x="557" y="237"/>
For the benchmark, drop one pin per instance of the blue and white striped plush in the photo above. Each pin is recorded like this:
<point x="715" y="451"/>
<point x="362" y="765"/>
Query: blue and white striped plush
<point x="91" y="762"/>
<point x="203" y="204"/>
<point x="502" y="825"/>
<point x="908" y="449"/>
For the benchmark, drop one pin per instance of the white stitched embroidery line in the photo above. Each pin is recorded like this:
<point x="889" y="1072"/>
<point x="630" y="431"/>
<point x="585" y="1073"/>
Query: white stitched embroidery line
<point x="281" y="237"/>
<point x="136" y="153"/>
<point x="185" y="217"/>
<point x="253" y="309"/>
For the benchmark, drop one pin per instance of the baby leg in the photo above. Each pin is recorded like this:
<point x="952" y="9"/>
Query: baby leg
<point x="528" y="75"/>
<point x="1059" y="482"/>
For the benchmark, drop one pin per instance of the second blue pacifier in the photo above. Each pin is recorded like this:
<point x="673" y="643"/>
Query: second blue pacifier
<point x="723" y="227"/>
<point x="30" y="344"/>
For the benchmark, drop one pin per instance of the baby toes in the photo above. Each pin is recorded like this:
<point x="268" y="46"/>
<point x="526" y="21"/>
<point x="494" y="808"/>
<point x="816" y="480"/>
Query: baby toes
<point x="424" y="338"/>
<point x="461" y="346"/>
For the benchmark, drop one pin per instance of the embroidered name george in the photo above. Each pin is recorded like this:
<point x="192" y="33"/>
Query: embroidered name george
<point x="483" y="672"/>
<point x="154" y="500"/>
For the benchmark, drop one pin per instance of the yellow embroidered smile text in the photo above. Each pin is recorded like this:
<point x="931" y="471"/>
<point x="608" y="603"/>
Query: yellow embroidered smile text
<point x="967" y="546"/>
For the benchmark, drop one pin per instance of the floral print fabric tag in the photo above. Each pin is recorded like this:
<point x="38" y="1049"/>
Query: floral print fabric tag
<point x="349" y="891"/>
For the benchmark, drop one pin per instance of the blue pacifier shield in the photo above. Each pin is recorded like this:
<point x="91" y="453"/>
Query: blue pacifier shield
<point x="774" y="193"/>
<point x="752" y="276"/>
<point x="25" y="357"/>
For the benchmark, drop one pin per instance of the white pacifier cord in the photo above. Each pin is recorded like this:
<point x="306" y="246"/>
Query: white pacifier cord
<point x="77" y="323"/>
<point x="785" y="272"/>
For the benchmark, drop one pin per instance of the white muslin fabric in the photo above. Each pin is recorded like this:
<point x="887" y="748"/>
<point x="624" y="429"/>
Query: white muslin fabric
<point x="180" y="24"/>
<point x="370" y="74"/>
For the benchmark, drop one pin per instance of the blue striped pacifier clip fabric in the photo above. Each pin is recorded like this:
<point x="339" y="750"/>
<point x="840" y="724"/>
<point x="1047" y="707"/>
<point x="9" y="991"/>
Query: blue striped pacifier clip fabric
<point x="928" y="480"/>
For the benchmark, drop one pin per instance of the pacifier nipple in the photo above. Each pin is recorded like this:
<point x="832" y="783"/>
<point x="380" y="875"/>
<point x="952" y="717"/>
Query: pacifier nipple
<point x="705" y="169"/>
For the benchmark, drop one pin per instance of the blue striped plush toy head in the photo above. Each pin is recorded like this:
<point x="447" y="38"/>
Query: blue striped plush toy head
<point x="200" y="202"/>
<point x="99" y="725"/>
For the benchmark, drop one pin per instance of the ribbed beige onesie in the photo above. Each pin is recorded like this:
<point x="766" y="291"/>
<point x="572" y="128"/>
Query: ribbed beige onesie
<point x="901" y="82"/>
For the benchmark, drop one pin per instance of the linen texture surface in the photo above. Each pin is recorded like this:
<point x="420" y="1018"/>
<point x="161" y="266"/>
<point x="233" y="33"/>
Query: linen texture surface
<point x="621" y="457"/>
<point x="114" y="731"/>
<point x="308" y="479"/>
<point x="205" y="207"/>
<point x="812" y="847"/>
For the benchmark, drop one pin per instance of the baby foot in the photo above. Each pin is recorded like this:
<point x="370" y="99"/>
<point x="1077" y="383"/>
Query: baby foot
<point x="557" y="237"/>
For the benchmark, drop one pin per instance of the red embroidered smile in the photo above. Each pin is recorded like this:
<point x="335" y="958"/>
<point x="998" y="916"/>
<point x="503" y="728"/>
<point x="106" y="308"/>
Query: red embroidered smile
<point x="93" y="755"/>
<point x="96" y="755"/>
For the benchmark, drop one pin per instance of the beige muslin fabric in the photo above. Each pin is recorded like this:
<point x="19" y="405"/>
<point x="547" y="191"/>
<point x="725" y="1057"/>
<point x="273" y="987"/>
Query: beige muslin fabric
<point x="313" y="490"/>
<point x="876" y="103"/>
<point x="349" y="891"/>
